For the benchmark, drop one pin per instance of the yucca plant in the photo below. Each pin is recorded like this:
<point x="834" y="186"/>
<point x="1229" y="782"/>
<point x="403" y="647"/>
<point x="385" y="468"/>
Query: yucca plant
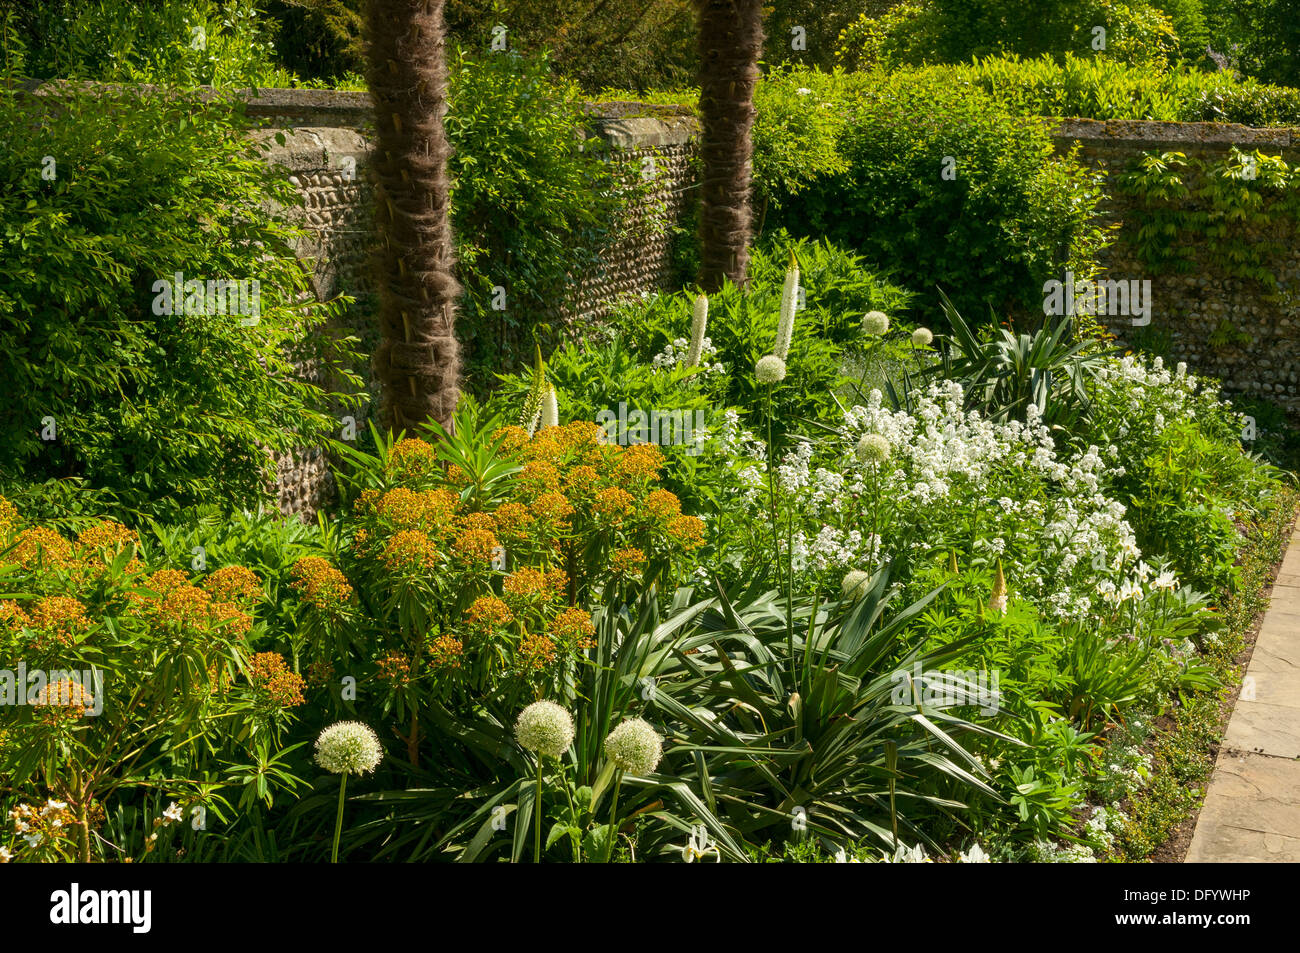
<point x="818" y="738"/>
<point x="1006" y="372"/>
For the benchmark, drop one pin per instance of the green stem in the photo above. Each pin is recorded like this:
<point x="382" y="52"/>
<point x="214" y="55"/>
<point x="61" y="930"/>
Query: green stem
<point x="613" y="817"/>
<point x="573" y="815"/>
<point x="537" y="809"/>
<point x="338" y="820"/>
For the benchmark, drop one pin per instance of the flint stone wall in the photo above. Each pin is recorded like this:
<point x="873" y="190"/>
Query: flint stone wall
<point x="1188" y="308"/>
<point x="325" y="151"/>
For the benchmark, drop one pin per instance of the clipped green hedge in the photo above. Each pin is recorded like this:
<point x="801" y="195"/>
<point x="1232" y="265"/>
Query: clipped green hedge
<point x="1089" y="88"/>
<point x="937" y="182"/>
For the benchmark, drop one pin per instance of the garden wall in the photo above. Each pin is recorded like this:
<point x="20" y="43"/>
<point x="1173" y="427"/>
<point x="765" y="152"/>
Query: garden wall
<point x="1236" y="329"/>
<point x="325" y="151"/>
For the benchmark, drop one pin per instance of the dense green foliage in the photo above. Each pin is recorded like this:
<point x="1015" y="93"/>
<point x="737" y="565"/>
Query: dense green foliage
<point x="163" y="405"/>
<point x="530" y="211"/>
<point x="1090" y="88"/>
<point x="944" y="186"/>
<point x="922" y="32"/>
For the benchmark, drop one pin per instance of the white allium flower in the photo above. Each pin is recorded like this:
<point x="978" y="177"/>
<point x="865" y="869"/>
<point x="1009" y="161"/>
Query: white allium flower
<point x="544" y="728"/>
<point x="348" y="747"/>
<point x="872" y="448"/>
<point x="875" y="322"/>
<point x="634" y="747"/>
<point x="922" y="337"/>
<point x="770" y="369"/>
<point x="550" y="408"/>
<point x="855" y="583"/>
<point x="699" y="321"/>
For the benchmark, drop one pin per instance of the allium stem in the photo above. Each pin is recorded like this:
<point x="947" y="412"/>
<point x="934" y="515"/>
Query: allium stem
<point x="613" y="817"/>
<point x="537" y="809"/>
<point x="338" y="820"/>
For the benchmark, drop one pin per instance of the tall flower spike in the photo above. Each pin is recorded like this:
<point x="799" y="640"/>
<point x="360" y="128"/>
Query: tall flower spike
<point x="998" y="600"/>
<point x="550" y="408"/>
<point x="532" y="409"/>
<point x="699" y="322"/>
<point x="789" y="305"/>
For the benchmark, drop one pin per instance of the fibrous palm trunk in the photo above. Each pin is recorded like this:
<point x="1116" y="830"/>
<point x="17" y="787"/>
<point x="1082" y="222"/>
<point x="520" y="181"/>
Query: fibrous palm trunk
<point x="418" y="360"/>
<point x="731" y="41"/>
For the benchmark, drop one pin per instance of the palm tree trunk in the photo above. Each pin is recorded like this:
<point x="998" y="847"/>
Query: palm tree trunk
<point x="731" y="41"/>
<point x="418" y="360"/>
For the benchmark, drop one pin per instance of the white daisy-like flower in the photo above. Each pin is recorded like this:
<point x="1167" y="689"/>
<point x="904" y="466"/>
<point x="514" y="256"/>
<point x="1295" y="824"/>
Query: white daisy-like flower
<point x="922" y="337"/>
<point x="544" y="728"/>
<point x="173" y="813"/>
<point x="34" y="839"/>
<point x="770" y="369"/>
<point x="348" y="747"/>
<point x="875" y="322"/>
<point x="634" y="746"/>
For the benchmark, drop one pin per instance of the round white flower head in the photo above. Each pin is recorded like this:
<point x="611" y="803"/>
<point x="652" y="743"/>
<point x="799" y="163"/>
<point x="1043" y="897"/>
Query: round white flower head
<point x="875" y="322"/>
<point x="770" y="369"/>
<point x="544" y="728"/>
<point x="348" y="747"/>
<point x="634" y="747"/>
<point x="872" y="448"/>
<point x="855" y="583"/>
<point x="922" y="337"/>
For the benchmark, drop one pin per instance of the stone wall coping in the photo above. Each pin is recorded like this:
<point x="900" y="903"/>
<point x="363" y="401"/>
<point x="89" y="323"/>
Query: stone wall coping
<point x="1138" y="133"/>
<point x="624" y="125"/>
<point x="633" y="125"/>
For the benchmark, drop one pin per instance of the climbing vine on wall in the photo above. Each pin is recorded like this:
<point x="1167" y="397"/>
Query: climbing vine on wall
<point x="1225" y="207"/>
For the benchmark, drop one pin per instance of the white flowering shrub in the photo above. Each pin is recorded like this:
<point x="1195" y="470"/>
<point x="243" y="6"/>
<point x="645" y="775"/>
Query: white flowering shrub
<point x="941" y="479"/>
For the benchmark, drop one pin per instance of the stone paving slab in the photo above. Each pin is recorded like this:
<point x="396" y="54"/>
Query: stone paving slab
<point x="1251" y="812"/>
<point x="1252" y="806"/>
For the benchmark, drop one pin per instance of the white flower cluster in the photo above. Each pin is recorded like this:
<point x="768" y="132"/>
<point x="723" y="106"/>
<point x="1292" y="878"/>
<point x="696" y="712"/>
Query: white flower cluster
<point x="1045" y="852"/>
<point x="675" y="352"/>
<point x="1144" y="397"/>
<point x="1103" y="824"/>
<point x="945" y="466"/>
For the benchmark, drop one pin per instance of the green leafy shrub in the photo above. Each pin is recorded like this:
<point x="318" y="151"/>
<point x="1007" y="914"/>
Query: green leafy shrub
<point x="952" y="31"/>
<point x="187" y="43"/>
<point x="530" y="210"/>
<point x="946" y="187"/>
<point x="117" y="195"/>
<point x="1186" y="481"/>
<point x="797" y="135"/>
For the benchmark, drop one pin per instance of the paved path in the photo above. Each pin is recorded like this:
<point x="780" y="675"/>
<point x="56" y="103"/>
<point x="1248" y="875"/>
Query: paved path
<point x="1252" y="807"/>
